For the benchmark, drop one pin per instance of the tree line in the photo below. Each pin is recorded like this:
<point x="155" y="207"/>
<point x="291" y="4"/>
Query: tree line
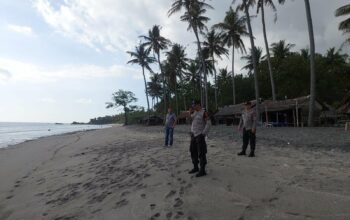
<point x="280" y="73"/>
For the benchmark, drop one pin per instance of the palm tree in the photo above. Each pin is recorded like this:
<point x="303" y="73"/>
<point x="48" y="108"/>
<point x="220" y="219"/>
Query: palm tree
<point x="249" y="59"/>
<point x="142" y="58"/>
<point x="194" y="16"/>
<point x="344" y="25"/>
<point x="281" y="49"/>
<point x="223" y="82"/>
<point x="214" y="45"/>
<point x="178" y="61"/>
<point x="155" y="42"/>
<point x="312" y="64"/>
<point x="260" y="6"/>
<point x="154" y="87"/>
<point x="192" y="76"/>
<point x="335" y="57"/>
<point x="233" y="28"/>
<point x="245" y="6"/>
<point x="305" y="53"/>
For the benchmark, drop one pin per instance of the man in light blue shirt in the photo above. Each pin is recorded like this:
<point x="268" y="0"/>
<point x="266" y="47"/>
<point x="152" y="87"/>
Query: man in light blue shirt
<point x="170" y="122"/>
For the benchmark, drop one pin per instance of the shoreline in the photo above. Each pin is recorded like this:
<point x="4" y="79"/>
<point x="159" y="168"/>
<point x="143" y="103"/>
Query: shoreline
<point x="126" y="173"/>
<point x="45" y="136"/>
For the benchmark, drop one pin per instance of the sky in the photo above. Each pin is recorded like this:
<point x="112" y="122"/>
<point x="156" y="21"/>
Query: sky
<point x="61" y="60"/>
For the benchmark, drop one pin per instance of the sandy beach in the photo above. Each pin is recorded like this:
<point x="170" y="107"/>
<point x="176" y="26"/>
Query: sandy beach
<point x="126" y="173"/>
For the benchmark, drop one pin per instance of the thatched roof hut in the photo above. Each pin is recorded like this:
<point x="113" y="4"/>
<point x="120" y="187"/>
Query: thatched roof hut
<point x="183" y="118"/>
<point x="277" y="113"/>
<point x="152" y="120"/>
<point x="345" y="105"/>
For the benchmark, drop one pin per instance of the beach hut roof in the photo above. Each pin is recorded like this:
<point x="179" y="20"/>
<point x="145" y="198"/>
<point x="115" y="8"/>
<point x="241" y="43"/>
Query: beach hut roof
<point x="232" y="109"/>
<point x="345" y="104"/>
<point x="271" y="106"/>
<point x="282" y="105"/>
<point x="183" y="115"/>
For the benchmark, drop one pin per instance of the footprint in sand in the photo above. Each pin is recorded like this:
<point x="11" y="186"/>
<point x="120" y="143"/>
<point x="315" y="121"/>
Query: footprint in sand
<point x="168" y="215"/>
<point x="273" y="199"/>
<point x="182" y="191"/>
<point x="121" y="203"/>
<point x="153" y="206"/>
<point x="157" y="215"/>
<point x="179" y="215"/>
<point x="95" y="211"/>
<point x="39" y="194"/>
<point x="125" y="193"/>
<point x="189" y="185"/>
<point x="170" y="194"/>
<point x="65" y="217"/>
<point x="178" y="202"/>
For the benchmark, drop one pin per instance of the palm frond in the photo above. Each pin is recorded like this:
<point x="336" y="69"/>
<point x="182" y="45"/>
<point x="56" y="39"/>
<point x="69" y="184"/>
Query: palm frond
<point x="344" y="10"/>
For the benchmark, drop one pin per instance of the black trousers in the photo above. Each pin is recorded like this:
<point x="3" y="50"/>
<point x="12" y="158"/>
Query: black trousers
<point x="248" y="137"/>
<point x="198" y="150"/>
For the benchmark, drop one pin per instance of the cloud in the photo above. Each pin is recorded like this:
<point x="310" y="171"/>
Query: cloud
<point x="116" y="25"/>
<point x="84" y="101"/>
<point x="104" y="24"/>
<point x="28" y="72"/>
<point x="48" y="100"/>
<point x="5" y="74"/>
<point x="21" y="29"/>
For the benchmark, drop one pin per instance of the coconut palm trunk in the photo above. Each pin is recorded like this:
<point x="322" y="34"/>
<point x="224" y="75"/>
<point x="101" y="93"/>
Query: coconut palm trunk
<point x="233" y="75"/>
<point x="312" y="65"/>
<point x="204" y="70"/>
<point x="246" y="9"/>
<point x="176" y="102"/>
<point x="144" y="79"/>
<point x="164" y="89"/>
<point x="215" y="83"/>
<point x="268" y="54"/>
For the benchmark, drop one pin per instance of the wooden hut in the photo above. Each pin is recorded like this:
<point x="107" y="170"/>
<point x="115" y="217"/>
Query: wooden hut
<point x="152" y="120"/>
<point x="344" y="108"/>
<point x="230" y="114"/>
<point x="344" y="112"/>
<point x="183" y="118"/>
<point x="288" y="112"/>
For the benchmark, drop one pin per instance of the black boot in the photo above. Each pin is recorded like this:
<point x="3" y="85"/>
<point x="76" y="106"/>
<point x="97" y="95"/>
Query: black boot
<point x="251" y="154"/>
<point x="194" y="170"/>
<point x="201" y="172"/>
<point x="242" y="153"/>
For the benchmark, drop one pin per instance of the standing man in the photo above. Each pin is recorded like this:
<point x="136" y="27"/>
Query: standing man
<point x="170" y="123"/>
<point x="198" y="147"/>
<point x="248" y="123"/>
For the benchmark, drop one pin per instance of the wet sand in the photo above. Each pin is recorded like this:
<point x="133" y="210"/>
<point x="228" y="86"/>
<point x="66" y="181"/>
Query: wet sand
<point x="126" y="173"/>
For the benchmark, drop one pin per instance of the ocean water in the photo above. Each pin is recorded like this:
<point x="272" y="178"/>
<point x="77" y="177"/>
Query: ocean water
<point x="13" y="133"/>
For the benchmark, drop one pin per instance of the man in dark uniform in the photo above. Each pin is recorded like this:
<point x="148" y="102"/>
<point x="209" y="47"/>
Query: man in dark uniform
<point x="198" y="147"/>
